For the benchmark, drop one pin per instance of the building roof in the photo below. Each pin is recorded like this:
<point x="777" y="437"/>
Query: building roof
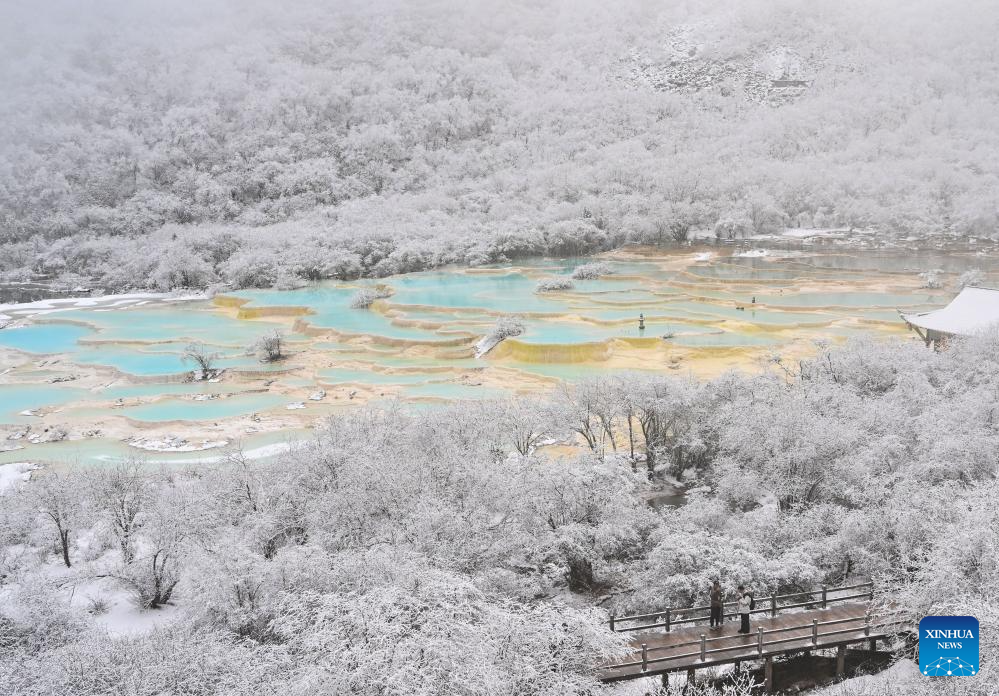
<point x="971" y="311"/>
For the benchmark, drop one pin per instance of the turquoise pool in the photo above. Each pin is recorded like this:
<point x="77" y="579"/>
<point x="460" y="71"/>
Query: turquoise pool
<point x="44" y="337"/>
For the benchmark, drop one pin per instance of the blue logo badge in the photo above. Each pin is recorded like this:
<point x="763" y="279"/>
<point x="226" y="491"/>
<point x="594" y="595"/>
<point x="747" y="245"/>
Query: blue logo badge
<point x="948" y="646"/>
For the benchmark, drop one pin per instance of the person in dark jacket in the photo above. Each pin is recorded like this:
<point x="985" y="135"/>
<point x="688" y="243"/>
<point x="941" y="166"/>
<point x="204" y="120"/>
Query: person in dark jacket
<point x="717" y="605"/>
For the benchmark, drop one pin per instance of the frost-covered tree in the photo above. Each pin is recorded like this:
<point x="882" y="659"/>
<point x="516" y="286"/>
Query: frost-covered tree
<point x="505" y="327"/>
<point x="590" y="271"/>
<point x="55" y="497"/>
<point x="453" y="546"/>
<point x="120" y="493"/>
<point x="365" y="297"/>
<point x="553" y="285"/>
<point x="202" y="356"/>
<point x="270" y="347"/>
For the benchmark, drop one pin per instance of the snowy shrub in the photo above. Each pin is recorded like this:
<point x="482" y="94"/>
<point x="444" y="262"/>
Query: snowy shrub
<point x="270" y="347"/>
<point x="932" y="279"/>
<point x="970" y="278"/>
<point x="505" y="327"/>
<point x="97" y="606"/>
<point x="39" y="623"/>
<point x="733" y="227"/>
<point x="477" y="257"/>
<point x="250" y="268"/>
<point x="591" y="271"/>
<point x="767" y="218"/>
<point x="365" y="297"/>
<point x="181" y="268"/>
<point x="286" y="280"/>
<point x="202" y="357"/>
<point x="553" y="285"/>
<point x="341" y="264"/>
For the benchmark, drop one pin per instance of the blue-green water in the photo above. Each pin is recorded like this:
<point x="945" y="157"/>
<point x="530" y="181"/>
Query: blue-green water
<point x="44" y="337"/>
<point x="99" y="452"/>
<point x="15" y="398"/>
<point x="180" y="322"/>
<point x="422" y="337"/>
<point x="564" y="332"/>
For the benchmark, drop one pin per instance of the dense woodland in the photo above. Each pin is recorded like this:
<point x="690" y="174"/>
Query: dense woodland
<point x="478" y="548"/>
<point x="257" y="143"/>
<point x="444" y="551"/>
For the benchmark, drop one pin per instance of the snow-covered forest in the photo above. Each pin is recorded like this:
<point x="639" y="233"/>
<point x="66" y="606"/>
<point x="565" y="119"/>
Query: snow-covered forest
<point x="256" y="143"/>
<point x="460" y="551"/>
<point x="479" y="547"/>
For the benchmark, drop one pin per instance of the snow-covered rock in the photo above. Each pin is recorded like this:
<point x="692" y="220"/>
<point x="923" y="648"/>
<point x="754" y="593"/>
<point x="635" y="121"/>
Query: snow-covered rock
<point x="48" y="435"/>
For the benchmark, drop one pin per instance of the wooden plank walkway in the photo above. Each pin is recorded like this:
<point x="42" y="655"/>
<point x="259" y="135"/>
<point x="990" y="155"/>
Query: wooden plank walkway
<point x="681" y="649"/>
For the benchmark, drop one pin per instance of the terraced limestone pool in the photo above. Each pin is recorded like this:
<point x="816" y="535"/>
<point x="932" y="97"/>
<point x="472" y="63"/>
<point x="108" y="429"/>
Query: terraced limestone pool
<point x="114" y="371"/>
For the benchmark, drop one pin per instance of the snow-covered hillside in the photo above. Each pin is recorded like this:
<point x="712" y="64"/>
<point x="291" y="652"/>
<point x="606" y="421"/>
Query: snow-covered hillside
<point x="694" y="60"/>
<point x="274" y="145"/>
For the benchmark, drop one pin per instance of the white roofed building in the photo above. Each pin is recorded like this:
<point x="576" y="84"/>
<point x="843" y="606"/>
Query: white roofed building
<point x="973" y="310"/>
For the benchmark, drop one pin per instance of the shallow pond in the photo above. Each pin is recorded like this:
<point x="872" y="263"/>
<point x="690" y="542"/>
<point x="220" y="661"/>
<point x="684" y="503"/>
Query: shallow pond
<point x="15" y="399"/>
<point x="44" y="337"/>
<point x="99" y="452"/>
<point x="698" y="307"/>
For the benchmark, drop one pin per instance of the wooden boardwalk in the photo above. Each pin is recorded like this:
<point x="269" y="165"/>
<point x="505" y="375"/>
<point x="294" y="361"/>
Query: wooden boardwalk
<point x="675" y="645"/>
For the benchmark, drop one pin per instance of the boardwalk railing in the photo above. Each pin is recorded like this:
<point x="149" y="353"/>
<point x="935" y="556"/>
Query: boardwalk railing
<point x="669" y="617"/>
<point x="767" y="640"/>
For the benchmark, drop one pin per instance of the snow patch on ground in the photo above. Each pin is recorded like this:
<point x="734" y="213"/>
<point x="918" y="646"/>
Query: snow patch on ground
<point x="174" y="444"/>
<point x="12" y="474"/>
<point x="25" y="309"/>
<point x="768" y="502"/>
<point x="119" y="614"/>
<point x="486" y="344"/>
<point x="123" y="617"/>
<point x="261" y="452"/>
<point x="805" y="232"/>
<point x="703" y="256"/>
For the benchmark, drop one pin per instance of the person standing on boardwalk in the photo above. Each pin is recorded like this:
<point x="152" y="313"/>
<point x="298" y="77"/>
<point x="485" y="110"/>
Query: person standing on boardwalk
<point x="717" y="605"/>
<point x="745" y="606"/>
